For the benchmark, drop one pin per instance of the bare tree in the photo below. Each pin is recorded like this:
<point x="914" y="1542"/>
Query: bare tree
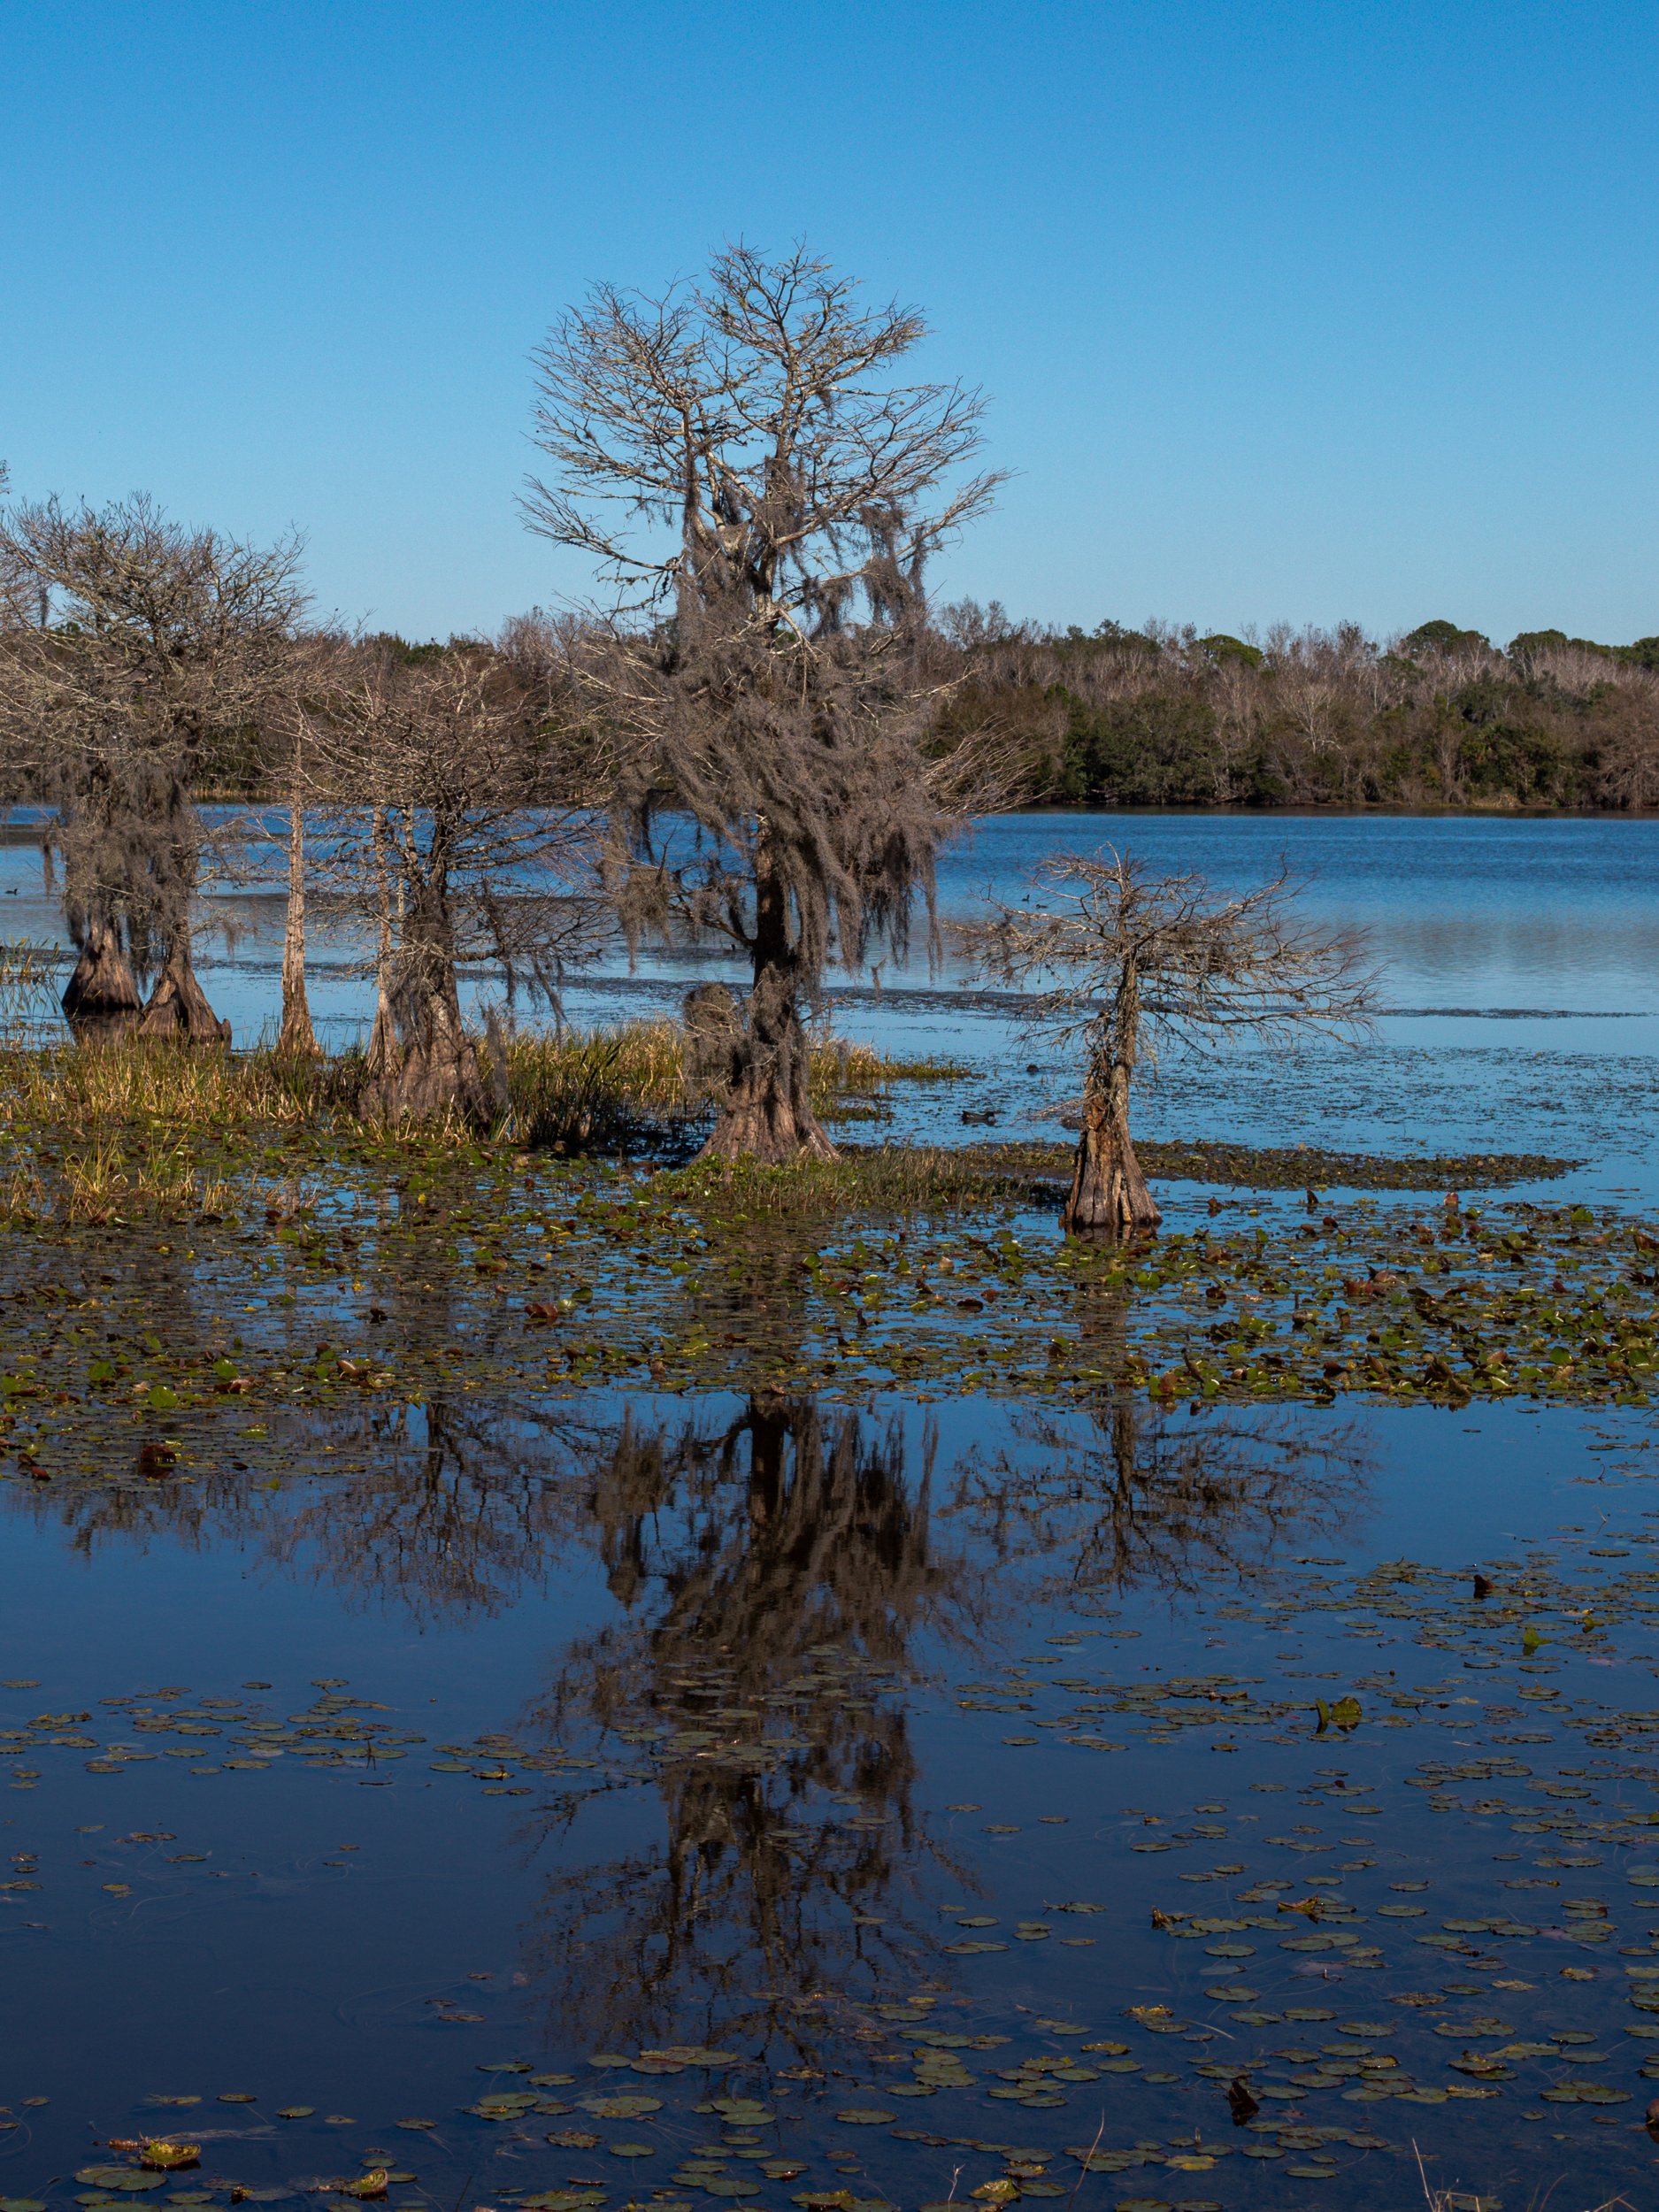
<point x="454" y="842"/>
<point x="750" y="482"/>
<point x="1145" y="960"/>
<point x="135" y="647"/>
<point x="319" y="673"/>
<point x="296" y="1038"/>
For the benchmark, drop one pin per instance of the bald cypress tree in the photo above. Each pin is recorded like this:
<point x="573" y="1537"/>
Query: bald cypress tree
<point x="135" y="649"/>
<point x="760" y="495"/>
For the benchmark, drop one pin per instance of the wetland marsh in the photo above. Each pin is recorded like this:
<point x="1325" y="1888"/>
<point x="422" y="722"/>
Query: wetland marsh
<point x="552" y="1680"/>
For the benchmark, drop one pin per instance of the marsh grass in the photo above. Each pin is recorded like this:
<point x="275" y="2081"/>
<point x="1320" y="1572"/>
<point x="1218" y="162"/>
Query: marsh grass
<point x="94" y="1133"/>
<point x="28" y="992"/>
<point x="165" y="1086"/>
<point x="879" y="1180"/>
<point x="103" y="1183"/>
<point x="611" y="1089"/>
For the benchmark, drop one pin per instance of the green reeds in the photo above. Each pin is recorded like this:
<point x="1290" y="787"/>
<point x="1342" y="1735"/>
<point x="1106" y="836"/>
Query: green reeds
<point x="97" y="1132"/>
<point x="601" y="1089"/>
<point x="28" y="991"/>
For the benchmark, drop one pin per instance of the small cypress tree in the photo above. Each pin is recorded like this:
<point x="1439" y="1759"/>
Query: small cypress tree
<point x="1128" y="961"/>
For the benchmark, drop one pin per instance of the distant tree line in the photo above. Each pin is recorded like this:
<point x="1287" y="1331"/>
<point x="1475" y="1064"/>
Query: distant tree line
<point x="1165" y="718"/>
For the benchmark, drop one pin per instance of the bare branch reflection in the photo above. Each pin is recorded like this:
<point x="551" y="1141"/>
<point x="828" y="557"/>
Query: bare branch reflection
<point x="1132" y="1495"/>
<point x="774" y="1572"/>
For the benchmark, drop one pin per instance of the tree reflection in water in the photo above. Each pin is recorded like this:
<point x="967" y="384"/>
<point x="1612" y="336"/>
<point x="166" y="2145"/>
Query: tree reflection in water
<point x="1161" y="1500"/>
<point x="781" y="1583"/>
<point x="773" y="1574"/>
<point x="1125" y="1494"/>
<point x="461" y="1505"/>
<point x="450" y="1508"/>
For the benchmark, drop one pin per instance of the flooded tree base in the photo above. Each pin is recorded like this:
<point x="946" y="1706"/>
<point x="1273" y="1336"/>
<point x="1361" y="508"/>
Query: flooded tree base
<point x="764" y="1125"/>
<point x="101" y="1000"/>
<point x="1108" y="1194"/>
<point x="177" y="1009"/>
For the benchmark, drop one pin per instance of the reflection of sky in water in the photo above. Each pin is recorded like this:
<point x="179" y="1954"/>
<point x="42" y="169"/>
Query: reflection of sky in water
<point x="1506" y="945"/>
<point x="279" y="1966"/>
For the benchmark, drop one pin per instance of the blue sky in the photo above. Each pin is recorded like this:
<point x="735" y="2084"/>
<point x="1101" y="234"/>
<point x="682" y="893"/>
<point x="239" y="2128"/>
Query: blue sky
<point x="1303" y="312"/>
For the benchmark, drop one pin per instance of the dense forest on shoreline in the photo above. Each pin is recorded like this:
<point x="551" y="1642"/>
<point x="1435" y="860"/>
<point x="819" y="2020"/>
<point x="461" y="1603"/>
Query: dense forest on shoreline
<point x="1164" y="717"/>
<point x="1161" y="717"/>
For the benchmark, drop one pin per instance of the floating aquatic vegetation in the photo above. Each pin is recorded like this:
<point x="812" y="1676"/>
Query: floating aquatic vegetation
<point x="1547" y="1753"/>
<point x="360" y="1384"/>
<point x="152" y="1361"/>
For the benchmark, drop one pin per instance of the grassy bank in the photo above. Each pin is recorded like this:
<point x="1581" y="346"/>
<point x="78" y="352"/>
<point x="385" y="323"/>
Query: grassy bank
<point x="93" y="1133"/>
<point x="127" y="1131"/>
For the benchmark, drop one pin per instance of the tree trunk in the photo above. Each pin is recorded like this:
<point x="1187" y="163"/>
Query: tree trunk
<point x="1109" y="1193"/>
<point x="438" y="1072"/>
<point x="384" y="1058"/>
<point x="297" y="1040"/>
<point x="178" y="1008"/>
<point x="101" y="1001"/>
<point x="766" y="1114"/>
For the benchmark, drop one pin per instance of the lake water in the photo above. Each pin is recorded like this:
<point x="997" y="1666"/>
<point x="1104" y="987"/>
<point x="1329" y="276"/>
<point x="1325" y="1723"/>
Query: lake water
<point x="1517" y="960"/>
<point x="565" y="1798"/>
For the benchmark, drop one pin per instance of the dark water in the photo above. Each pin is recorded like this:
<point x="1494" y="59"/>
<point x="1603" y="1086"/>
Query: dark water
<point x="774" y="1798"/>
<point x="804" y="1733"/>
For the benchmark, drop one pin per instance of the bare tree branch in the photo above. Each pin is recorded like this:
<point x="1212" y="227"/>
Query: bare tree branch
<point x="1127" y="962"/>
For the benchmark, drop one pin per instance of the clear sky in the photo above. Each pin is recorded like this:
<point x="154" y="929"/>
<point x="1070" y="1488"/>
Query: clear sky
<point x="1304" y="311"/>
